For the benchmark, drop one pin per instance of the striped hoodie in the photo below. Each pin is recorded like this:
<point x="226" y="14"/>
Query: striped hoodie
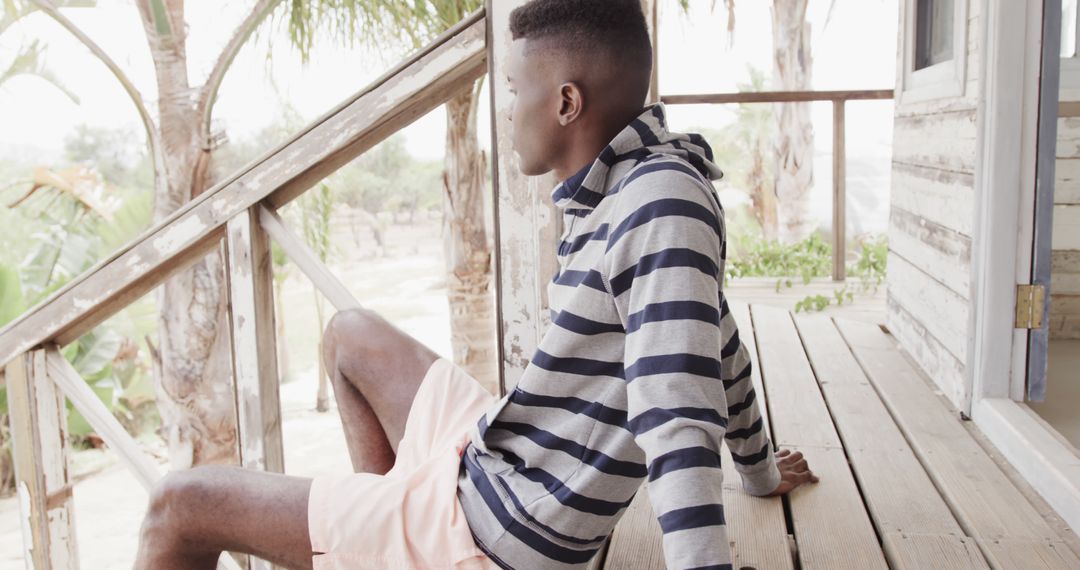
<point x="640" y="376"/>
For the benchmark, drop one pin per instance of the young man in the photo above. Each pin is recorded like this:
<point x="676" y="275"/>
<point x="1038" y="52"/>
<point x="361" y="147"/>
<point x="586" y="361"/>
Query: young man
<point x="640" y="376"/>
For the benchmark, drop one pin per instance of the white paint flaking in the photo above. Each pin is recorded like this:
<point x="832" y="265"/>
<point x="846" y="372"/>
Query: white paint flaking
<point x="27" y="531"/>
<point x="177" y="234"/>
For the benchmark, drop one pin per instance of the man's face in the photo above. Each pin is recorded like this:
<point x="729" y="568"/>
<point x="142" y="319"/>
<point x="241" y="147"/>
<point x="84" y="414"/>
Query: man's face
<point x="534" y="108"/>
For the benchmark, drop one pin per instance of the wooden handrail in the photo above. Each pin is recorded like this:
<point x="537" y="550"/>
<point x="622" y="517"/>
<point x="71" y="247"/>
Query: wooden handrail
<point x="839" y="163"/>
<point x="776" y="97"/>
<point x="395" y="101"/>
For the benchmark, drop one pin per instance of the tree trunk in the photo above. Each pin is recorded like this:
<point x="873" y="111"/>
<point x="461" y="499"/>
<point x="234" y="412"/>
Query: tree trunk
<point x="794" y="145"/>
<point x="194" y="379"/>
<point x="468" y="257"/>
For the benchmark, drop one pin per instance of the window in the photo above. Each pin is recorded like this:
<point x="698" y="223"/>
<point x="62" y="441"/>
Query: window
<point x="1068" y="28"/>
<point x="933" y="32"/>
<point x="1070" y="58"/>
<point x="934" y="53"/>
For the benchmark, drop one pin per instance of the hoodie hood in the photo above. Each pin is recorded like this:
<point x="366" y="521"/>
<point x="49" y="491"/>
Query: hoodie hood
<point x="646" y="136"/>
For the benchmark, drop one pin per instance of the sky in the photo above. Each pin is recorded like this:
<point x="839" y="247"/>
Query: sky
<point x="855" y="49"/>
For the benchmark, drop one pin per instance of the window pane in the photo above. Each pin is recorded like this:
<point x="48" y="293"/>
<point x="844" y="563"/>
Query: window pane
<point x="1068" y="28"/>
<point x="933" y="32"/>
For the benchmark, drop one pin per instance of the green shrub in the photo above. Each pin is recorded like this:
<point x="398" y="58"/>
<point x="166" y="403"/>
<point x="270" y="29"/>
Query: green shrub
<point x="806" y="260"/>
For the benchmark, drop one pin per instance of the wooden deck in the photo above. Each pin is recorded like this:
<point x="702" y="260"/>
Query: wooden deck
<point x="905" y="482"/>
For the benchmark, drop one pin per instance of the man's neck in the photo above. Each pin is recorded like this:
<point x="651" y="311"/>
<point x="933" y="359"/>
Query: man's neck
<point x="588" y="148"/>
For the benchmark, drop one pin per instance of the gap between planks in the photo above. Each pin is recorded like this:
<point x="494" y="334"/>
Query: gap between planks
<point x="1008" y="530"/>
<point x="917" y="527"/>
<point x="832" y="526"/>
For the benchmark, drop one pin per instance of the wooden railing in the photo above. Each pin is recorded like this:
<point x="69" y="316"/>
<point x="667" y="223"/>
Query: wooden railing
<point x="839" y="171"/>
<point x="238" y="214"/>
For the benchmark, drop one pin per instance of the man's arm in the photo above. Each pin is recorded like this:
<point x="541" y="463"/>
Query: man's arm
<point x="746" y="436"/>
<point x="662" y="267"/>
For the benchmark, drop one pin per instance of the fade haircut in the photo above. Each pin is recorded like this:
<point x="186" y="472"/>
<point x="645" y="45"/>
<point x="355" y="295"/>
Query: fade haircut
<point x="613" y="29"/>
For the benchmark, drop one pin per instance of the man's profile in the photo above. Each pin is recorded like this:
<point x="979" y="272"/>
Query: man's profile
<point x="639" y="378"/>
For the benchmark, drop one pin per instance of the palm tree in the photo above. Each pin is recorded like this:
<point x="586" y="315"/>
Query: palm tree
<point x="793" y="146"/>
<point x="198" y="416"/>
<point x="30" y="59"/>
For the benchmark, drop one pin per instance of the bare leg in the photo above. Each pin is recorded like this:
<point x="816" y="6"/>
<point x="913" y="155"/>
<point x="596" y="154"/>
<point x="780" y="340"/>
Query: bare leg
<point x="375" y="369"/>
<point x="197" y="513"/>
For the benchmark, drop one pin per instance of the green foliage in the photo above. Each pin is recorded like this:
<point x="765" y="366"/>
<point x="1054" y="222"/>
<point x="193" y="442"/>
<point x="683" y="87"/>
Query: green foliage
<point x="11" y="297"/>
<point x="870" y="267"/>
<point x="387" y="178"/>
<point x="807" y="260"/>
<point x="78" y="218"/>
<point x="316" y="208"/>
<point x="374" y="23"/>
<point x="119" y="154"/>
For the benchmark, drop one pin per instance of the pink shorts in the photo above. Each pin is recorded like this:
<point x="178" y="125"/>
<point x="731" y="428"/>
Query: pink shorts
<point x="409" y="518"/>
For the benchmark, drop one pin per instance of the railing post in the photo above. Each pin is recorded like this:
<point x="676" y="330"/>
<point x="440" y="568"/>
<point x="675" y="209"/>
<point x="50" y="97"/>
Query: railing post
<point x="839" y="174"/>
<point x="39" y="437"/>
<point x="251" y="295"/>
<point x="254" y="348"/>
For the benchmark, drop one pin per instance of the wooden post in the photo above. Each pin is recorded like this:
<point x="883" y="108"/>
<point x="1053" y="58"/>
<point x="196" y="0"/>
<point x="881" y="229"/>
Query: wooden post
<point x="651" y="8"/>
<point x="839" y="192"/>
<point x="254" y="349"/>
<point x="39" y="437"/>
<point x="251" y="296"/>
<point x="527" y="224"/>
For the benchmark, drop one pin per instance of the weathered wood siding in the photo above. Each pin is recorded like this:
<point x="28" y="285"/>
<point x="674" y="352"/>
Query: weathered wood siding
<point x="932" y="211"/>
<point x="1065" y="259"/>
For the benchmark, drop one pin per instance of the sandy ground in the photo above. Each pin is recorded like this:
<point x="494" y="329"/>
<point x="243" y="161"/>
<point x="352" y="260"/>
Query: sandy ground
<point x="404" y="284"/>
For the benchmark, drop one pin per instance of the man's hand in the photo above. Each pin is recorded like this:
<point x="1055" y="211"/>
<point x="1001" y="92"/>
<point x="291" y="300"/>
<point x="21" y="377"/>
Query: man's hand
<point x="793" y="472"/>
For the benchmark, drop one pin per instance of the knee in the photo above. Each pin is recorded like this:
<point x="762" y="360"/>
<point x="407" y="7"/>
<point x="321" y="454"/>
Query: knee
<point x="353" y="331"/>
<point x="174" y="502"/>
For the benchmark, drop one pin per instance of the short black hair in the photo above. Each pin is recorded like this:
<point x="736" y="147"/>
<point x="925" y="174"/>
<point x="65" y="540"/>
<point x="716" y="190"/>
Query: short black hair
<point x="616" y="28"/>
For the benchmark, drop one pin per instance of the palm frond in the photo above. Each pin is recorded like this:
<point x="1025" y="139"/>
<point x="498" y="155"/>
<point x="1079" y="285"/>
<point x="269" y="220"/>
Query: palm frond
<point x="373" y="23"/>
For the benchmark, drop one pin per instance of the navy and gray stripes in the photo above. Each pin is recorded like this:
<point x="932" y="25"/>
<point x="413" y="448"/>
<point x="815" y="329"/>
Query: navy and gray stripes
<point x="640" y="377"/>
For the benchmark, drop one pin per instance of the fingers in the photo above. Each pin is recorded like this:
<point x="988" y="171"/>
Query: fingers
<point x="787" y="457"/>
<point x="795" y="464"/>
<point x="805" y="477"/>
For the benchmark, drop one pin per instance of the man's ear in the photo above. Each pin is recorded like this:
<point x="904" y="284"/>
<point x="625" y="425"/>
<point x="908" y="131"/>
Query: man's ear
<point x="571" y="103"/>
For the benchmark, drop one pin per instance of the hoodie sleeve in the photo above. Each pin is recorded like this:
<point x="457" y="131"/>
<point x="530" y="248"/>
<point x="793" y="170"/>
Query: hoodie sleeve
<point x="663" y="266"/>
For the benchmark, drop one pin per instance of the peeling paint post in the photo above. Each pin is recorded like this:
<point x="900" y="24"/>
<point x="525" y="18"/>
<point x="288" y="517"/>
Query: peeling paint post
<point x="527" y="224"/>
<point x="39" y="439"/>
<point x="254" y="347"/>
<point x="251" y="295"/>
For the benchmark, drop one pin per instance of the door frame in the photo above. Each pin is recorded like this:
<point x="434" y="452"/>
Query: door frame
<point x="1004" y="223"/>
<point x="1004" y="196"/>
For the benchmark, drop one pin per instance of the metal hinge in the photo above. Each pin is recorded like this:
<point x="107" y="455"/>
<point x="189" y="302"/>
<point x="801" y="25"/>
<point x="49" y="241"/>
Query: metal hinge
<point x="1030" y="303"/>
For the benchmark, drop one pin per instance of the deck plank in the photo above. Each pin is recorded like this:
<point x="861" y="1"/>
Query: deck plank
<point x="898" y="493"/>
<point x="832" y="527"/>
<point x="1033" y="554"/>
<point x="1010" y="532"/>
<point x="757" y="528"/>
<point x="932" y="551"/>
